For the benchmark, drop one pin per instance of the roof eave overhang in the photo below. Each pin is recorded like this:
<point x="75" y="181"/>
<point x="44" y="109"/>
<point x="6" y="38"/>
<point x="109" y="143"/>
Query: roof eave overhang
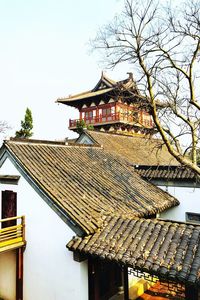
<point x="6" y="153"/>
<point x="141" y="270"/>
<point x="76" y="100"/>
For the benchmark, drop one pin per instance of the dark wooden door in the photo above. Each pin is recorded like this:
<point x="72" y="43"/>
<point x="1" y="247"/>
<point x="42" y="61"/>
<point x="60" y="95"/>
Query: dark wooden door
<point x="191" y="292"/>
<point x="103" y="279"/>
<point x="8" y="207"/>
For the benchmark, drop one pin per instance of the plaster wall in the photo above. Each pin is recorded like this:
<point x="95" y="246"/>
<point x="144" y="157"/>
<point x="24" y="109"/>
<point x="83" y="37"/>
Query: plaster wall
<point x="49" y="269"/>
<point x="8" y="275"/>
<point x="84" y="139"/>
<point x="189" y="198"/>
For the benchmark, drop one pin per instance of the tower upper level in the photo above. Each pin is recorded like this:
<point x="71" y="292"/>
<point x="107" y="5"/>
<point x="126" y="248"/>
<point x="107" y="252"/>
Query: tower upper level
<point x="114" y="106"/>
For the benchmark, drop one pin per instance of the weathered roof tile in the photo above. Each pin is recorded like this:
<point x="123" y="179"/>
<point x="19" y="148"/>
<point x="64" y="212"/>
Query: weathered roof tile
<point x="88" y="182"/>
<point x="139" y="150"/>
<point x="166" y="172"/>
<point x="166" y="249"/>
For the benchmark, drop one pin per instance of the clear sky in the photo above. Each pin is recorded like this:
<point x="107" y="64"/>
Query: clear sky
<point x="44" y="55"/>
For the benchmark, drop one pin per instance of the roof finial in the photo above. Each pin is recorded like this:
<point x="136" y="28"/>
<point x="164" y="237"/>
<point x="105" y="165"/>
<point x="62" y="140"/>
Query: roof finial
<point x="130" y="75"/>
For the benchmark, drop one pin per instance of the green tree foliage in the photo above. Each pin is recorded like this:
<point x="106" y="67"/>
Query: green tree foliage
<point x="81" y="125"/>
<point x="90" y="127"/>
<point x="26" y="126"/>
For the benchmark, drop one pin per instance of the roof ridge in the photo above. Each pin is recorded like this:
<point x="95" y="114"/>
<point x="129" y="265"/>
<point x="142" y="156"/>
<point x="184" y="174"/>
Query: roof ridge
<point x="161" y="167"/>
<point x="49" y="143"/>
<point x="176" y="222"/>
<point x="35" y="141"/>
<point x="111" y="81"/>
<point x="74" y="95"/>
<point x="131" y="217"/>
<point x="124" y="135"/>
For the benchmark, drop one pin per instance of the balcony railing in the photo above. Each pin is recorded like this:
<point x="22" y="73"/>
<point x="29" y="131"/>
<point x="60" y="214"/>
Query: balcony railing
<point x="12" y="237"/>
<point x="96" y="120"/>
<point x="121" y="117"/>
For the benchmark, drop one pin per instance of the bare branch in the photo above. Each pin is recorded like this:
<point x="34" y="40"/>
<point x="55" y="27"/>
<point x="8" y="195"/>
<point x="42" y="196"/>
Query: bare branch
<point x="163" y="45"/>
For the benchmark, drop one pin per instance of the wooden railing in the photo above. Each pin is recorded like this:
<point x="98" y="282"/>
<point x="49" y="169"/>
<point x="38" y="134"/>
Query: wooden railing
<point x="98" y="119"/>
<point x="12" y="237"/>
<point x="110" y="118"/>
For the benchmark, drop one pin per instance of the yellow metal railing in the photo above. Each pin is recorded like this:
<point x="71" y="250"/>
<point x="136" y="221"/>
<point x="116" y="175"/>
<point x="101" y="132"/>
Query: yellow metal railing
<point x="12" y="237"/>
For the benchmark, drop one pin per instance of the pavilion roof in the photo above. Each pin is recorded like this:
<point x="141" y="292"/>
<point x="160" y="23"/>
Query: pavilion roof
<point x="104" y="86"/>
<point x="169" y="250"/>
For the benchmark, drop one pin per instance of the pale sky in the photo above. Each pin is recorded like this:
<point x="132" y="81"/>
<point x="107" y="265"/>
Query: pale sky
<point x="44" y="55"/>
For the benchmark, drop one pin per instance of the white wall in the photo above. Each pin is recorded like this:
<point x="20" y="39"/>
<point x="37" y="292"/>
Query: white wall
<point x="49" y="269"/>
<point x="189" y="198"/>
<point x="8" y="275"/>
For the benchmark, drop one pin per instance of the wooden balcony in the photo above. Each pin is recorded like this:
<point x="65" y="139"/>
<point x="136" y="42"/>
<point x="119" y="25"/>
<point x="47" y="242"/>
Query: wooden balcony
<point x="12" y="237"/>
<point x="112" y="118"/>
<point x="96" y="120"/>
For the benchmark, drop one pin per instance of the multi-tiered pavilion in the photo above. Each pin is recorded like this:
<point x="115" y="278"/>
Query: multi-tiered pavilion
<point x="112" y="106"/>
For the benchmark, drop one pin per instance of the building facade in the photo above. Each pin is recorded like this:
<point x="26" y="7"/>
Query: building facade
<point x="48" y="271"/>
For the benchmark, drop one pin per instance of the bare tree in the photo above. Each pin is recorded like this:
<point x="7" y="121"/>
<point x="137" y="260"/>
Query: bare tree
<point x="4" y="127"/>
<point x="162" y="43"/>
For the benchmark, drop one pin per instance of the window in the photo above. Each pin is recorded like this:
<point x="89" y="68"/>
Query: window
<point x="89" y="114"/>
<point x="106" y="111"/>
<point x="112" y="110"/>
<point x="9" y="207"/>
<point x="192" y="217"/>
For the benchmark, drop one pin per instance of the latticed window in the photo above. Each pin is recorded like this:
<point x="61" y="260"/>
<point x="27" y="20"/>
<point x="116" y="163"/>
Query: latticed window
<point x="192" y="217"/>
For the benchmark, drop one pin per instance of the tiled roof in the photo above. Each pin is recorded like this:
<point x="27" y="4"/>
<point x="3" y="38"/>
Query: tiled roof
<point x="87" y="182"/>
<point x="166" y="249"/>
<point x="84" y="95"/>
<point x="166" y="172"/>
<point x="104" y="86"/>
<point x="138" y="150"/>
